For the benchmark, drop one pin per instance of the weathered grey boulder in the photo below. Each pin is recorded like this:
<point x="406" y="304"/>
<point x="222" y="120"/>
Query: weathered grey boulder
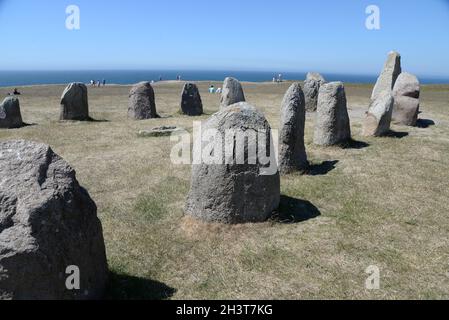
<point x="332" y="120"/>
<point x="232" y="93"/>
<point x="47" y="224"/>
<point x="74" y="103"/>
<point x="191" y="103"/>
<point x="378" y="118"/>
<point x="10" y="116"/>
<point x="406" y="95"/>
<point x="241" y="183"/>
<point x="311" y="89"/>
<point x="292" y="152"/>
<point x="141" y="103"/>
<point x="389" y="75"/>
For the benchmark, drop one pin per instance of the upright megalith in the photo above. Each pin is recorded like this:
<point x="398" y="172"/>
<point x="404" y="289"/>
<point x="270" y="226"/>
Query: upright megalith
<point x="10" y="116"/>
<point x="292" y="152"/>
<point x="311" y="89"/>
<point x="387" y="79"/>
<point x="236" y="179"/>
<point x="74" y="103"/>
<point x="406" y="95"/>
<point x="332" y="120"/>
<point x="141" y="103"/>
<point x="50" y="236"/>
<point x="191" y="103"/>
<point x="232" y="93"/>
<point x="378" y="118"/>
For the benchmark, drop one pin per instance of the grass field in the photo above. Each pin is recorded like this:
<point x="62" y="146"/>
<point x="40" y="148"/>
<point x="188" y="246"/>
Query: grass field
<point x="382" y="202"/>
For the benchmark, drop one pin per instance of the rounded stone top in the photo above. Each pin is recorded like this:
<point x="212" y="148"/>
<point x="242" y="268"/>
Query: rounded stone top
<point x="141" y="88"/>
<point x="407" y="85"/>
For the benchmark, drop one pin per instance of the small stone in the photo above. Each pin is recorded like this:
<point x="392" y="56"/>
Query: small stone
<point x="232" y="93"/>
<point x="10" y="116"/>
<point x="332" y="120"/>
<point x="311" y="89"/>
<point x="141" y="104"/>
<point x="191" y="103"/>
<point x="161" y="131"/>
<point x="74" y="103"/>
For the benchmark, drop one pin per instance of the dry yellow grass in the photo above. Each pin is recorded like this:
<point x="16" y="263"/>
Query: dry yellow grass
<point x="385" y="204"/>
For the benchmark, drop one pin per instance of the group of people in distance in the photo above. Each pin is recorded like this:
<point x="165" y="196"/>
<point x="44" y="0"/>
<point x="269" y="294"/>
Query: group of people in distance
<point x="213" y="90"/>
<point x="98" y="83"/>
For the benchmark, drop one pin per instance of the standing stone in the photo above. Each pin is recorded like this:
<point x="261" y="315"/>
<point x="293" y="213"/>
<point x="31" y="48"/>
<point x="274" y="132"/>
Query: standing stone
<point x="311" y="89"/>
<point x="292" y="152"/>
<point x="191" y="103"/>
<point x="406" y="100"/>
<point x="47" y="224"/>
<point x="332" y="121"/>
<point x="389" y="75"/>
<point x="141" y="104"/>
<point x="232" y="93"/>
<point x="74" y="104"/>
<point x="243" y="183"/>
<point x="10" y="116"/>
<point x="378" y="118"/>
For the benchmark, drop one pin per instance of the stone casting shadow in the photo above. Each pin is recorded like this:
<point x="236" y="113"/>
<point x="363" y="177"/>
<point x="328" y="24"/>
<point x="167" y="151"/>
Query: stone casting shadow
<point x="124" y="287"/>
<point x="354" y="144"/>
<point x="396" y="134"/>
<point x="425" y="123"/>
<point x="321" y="169"/>
<point x="293" y="210"/>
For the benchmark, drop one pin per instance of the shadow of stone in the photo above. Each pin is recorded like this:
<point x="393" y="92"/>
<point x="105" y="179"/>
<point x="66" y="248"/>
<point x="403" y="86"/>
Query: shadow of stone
<point x="425" y="123"/>
<point x="124" y="287"/>
<point x="96" y="120"/>
<point x="321" y="169"/>
<point x="396" y="134"/>
<point x="354" y="144"/>
<point x="293" y="210"/>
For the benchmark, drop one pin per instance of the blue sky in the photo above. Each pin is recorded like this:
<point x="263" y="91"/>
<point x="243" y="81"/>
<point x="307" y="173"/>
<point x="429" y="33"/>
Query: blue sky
<point x="285" y="35"/>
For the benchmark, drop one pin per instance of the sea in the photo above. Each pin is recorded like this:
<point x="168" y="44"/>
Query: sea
<point x="27" y="78"/>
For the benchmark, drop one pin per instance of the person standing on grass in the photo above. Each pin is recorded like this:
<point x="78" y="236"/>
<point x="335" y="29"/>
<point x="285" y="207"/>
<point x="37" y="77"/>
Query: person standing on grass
<point x="104" y="83"/>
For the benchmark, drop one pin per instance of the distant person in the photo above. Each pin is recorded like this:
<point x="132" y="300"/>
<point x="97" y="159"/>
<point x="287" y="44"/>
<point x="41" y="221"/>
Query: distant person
<point x="99" y="83"/>
<point x="212" y="89"/>
<point x="16" y="93"/>
<point x="160" y="78"/>
<point x="274" y="79"/>
<point x="92" y="83"/>
<point x="219" y="90"/>
<point x="104" y="83"/>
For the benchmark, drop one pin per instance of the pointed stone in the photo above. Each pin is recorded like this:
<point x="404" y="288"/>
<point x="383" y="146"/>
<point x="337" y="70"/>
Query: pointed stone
<point x="292" y="152"/>
<point x="191" y="103"/>
<point x="387" y="79"/>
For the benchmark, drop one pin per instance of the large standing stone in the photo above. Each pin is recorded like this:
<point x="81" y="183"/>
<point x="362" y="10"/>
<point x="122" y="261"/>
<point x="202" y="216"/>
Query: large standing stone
<point x="223" y="190"/>
<point x="332" y="121"/>
<point x="389" y="75"/>
<point x="292" y="152"/>
<point x="311" y="89"/>
<point x="191" y="103"/>
<point x="406" y="100"/>
<point x="378" y="118"/>
<point x="47" y="224"/>
<point x="74" y="103"/>
<point x="10" y="116"/>
<point x="232" y="93"/>
<point x="141" y="104"/>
